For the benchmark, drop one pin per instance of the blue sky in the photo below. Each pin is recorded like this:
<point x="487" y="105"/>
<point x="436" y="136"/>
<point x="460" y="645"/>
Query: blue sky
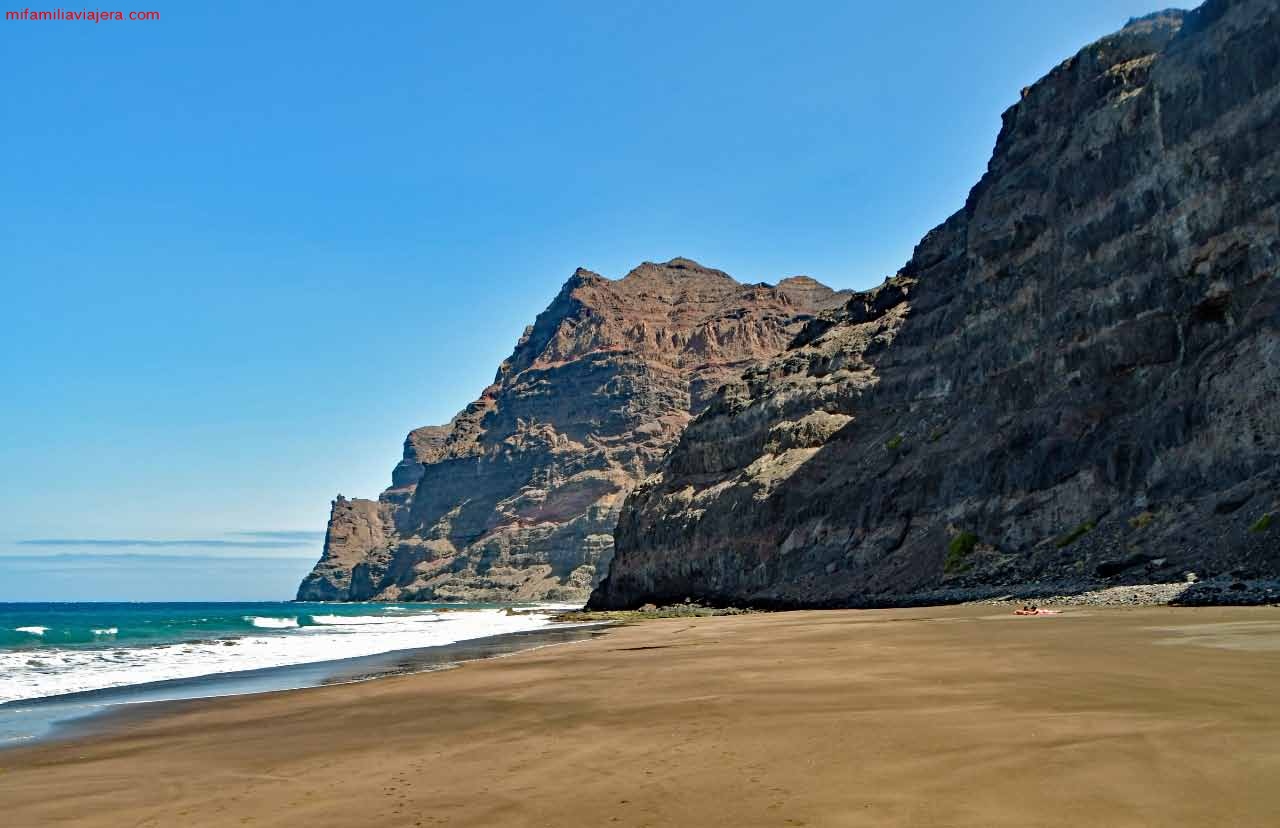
<point x="245" y="248"/>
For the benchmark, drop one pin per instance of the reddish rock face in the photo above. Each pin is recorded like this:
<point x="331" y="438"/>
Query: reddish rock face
<point x="1076" y="377"/>
<point x="517" y="498"/>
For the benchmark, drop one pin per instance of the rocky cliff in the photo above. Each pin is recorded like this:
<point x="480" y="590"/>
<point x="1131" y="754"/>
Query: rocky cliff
<point x="517" y="497"/>
<point x="1075" y="378"/>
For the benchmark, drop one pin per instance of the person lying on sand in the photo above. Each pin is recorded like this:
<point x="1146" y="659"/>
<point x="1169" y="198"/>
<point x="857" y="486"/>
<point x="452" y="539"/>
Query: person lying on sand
<point x="1032" y="609"/>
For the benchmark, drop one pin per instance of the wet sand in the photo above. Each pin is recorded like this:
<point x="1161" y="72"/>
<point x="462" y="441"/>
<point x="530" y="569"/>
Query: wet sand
<point x="71" y="714"/>
<point x="934" y="717"/>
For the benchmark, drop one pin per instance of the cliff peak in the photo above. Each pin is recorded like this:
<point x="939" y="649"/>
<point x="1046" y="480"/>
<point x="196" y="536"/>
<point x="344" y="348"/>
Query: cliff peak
<point x="667" y="281"/>
<point x="682" y="263"/>
<point x="1164" y="17"/>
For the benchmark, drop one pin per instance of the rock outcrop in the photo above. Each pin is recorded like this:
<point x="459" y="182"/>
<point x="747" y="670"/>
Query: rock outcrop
<point x="517" y="498"/>
<point x="1075" y="378"/>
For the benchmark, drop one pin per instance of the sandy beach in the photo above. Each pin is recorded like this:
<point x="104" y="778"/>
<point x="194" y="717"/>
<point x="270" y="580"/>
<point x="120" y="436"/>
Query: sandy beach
<point x="934" y="717"/>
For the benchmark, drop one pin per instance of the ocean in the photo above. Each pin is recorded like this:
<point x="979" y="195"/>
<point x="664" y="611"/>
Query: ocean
<point x="112" y="652"/>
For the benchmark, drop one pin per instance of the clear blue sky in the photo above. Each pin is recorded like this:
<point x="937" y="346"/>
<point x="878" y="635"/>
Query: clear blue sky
<point x="245" y="248"/>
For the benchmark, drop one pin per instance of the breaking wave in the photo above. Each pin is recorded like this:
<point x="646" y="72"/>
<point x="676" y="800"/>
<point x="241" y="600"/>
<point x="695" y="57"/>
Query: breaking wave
<point x="269" y="623"/>
<point x="51" y="668"/>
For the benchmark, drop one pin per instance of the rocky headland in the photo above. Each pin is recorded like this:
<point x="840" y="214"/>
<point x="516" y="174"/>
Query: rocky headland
<point x="516" y="499"/>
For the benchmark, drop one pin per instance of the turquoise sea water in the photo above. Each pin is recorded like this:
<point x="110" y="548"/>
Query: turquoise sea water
<point x="35" y="626"/>
<point x="58" y="649"/>
<point x="62" y="664"/>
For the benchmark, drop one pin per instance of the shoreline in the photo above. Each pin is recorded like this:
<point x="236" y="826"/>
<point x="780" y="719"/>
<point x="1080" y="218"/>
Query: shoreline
<point x="68" y="719"/>
<point x="958" y="715"/>
<point x="68" y="716"/>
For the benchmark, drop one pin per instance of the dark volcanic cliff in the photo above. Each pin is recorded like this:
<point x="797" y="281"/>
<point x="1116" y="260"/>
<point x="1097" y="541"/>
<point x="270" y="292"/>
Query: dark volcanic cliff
<point x="517" y="498"/>
<point x="1076" y="377"/>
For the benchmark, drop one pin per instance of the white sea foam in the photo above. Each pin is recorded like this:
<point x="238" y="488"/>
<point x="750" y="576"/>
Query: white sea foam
<point x="32" y="630"/>
<point x="360" y="620"/>
<point x="56" y="670"/>
<point x="269" y="623"/>
<point x="107" y="631"/>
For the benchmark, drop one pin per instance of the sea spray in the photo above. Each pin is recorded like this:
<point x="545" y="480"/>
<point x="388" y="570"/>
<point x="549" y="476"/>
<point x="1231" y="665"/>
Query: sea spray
<point x="92" y="646"/>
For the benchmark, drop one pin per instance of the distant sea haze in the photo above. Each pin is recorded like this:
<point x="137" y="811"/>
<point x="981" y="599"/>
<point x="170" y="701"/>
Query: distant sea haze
<point x="285" y="539"/>
<point x="240" y="565"/>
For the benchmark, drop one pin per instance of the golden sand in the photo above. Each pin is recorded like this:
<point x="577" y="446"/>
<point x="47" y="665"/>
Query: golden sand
<point x="936" y="717"/>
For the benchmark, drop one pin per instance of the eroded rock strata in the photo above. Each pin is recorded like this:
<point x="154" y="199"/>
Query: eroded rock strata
<point x="1076" y="377"/>
<point x="517" y="497"/>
